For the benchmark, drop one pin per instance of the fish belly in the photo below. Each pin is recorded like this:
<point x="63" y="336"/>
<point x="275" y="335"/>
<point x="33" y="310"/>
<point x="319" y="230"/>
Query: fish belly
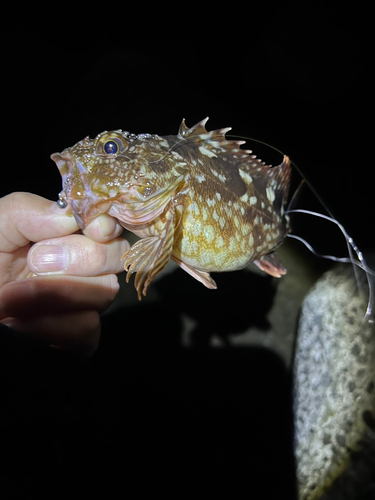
<point x="208" y="247"/>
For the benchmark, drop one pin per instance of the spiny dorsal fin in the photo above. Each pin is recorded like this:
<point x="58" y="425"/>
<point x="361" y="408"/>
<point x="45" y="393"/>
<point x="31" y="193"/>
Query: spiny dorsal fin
<point x="215" y="144"/>
<point x="214" y="140"/>
<point x="199" y="128"/>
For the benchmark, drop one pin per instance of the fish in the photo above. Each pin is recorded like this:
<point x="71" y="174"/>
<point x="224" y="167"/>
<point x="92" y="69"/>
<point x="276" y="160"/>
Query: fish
<point x="197" y="198"/>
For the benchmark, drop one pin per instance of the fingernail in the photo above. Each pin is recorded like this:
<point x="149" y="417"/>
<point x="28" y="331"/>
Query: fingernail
<point x="48" y="258"/>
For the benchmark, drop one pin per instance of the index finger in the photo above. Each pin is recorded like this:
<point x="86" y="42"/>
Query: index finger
<point x="26" y="217"/>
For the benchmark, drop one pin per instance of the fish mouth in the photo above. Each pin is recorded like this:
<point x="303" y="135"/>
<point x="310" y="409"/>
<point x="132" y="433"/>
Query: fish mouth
<point x="64" y="164"/>
<point x="76" y="189"/>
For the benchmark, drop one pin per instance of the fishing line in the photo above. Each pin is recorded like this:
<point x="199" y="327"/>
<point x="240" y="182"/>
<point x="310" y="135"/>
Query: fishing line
<point x="361" y="263"/>
<point x="358" y="262"/>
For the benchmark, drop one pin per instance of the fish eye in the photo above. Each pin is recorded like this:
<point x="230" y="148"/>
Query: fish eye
<point x="111" y="144"/>
<point x="110" y="147"/>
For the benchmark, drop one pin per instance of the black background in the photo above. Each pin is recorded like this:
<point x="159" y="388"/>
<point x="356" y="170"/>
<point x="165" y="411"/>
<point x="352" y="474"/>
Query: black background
<point x="144" y="413"/>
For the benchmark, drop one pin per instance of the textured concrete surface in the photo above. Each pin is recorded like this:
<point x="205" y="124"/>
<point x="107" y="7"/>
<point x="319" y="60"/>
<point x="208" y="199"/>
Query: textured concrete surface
<point x="334" y="381"/>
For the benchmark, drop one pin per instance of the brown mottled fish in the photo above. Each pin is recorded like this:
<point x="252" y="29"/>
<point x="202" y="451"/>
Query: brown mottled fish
<point x="194" y="197"/>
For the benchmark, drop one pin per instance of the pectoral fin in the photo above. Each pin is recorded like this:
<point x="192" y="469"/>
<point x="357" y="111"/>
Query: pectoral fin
<point x="271" y="264"/>
<point x="148" y="256"/>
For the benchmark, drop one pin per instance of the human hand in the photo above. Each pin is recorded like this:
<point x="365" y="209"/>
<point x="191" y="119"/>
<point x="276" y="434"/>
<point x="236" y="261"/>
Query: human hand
<point x="51" y="296"/>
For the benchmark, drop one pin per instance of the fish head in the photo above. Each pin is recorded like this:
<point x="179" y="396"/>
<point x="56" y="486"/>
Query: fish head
<point x="113" y="174"/>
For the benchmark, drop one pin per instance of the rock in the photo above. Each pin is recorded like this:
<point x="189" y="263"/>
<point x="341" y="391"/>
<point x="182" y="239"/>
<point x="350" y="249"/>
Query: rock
<point x="334" y="392"/>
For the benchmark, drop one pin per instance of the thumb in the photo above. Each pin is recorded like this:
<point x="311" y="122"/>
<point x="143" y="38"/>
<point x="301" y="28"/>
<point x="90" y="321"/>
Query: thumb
<point x="26" y="217"/>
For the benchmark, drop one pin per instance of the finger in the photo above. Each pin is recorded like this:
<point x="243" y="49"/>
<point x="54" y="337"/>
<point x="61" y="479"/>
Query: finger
<point x="77" y="331"/>
<point x="56" y="294"/>
<point x="103" y="228"/>
<point x="77" y="255"/>
<point x="27" y="217"/>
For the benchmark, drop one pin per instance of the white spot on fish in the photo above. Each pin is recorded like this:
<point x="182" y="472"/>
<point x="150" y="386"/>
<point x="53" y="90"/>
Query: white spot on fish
<point x="219" y="242"/>
<point x="206" y="152"/>
<point x="220" y="259"/>
<point x="205" y="257"/>
<point x="232" y="244"/>
<point x="253" y="200"/>
<point x="215" y="215"/>
<point x="200" y="178"/>
<point x="205" y="137"/>
<point x="196" y="229"/>
<point x="270" y="194"/>
<point x="222" y="222"/>
<point x="245" y="176"/>
<point x="193" y="246"/>
<point x="209" y="233"/>
<point x="218" y="196"/>
<point x="245" y="229"/>
<point x="188" y="246"/>
<point x="210" y="202"/>
<point x="194" y="208"/>
<point x="177" y="156"/>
